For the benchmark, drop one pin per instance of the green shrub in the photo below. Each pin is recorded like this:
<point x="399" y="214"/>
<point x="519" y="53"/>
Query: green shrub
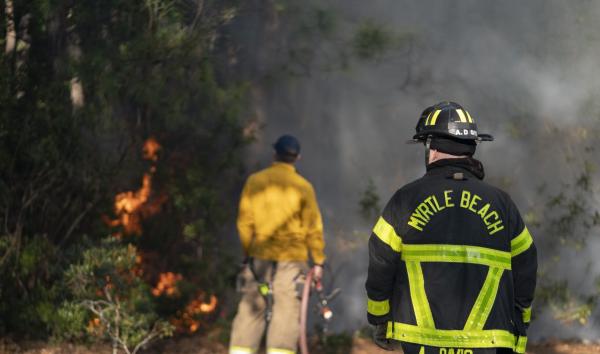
<point x="117" y="304"/>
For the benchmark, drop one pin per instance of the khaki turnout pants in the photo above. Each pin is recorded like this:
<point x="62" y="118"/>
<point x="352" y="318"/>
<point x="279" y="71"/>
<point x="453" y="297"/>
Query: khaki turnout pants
<point x="249" y="324"/>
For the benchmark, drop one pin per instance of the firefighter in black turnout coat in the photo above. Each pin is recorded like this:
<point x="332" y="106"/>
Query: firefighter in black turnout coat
<point x="452" y="266"/>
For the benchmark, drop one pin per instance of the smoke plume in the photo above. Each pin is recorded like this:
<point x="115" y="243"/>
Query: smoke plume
<point x="527" y="72"/>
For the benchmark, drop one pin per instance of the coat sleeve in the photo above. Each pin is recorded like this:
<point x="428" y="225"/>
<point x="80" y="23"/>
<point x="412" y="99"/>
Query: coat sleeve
<point x="524" y="266"/>
<point x="245" y="219"/>
<point x="384" y="255"/>
<point x="313" y="222"/>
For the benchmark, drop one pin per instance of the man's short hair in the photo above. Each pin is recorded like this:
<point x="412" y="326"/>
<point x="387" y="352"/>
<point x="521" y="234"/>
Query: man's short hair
<point x="286" y="158"/>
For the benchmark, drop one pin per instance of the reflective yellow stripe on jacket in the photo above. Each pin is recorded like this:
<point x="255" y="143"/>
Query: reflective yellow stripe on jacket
<point x="418" y="296"/>
<point x="491" y="338"/>
<point x="527" y="315"/>
<point x="456" y="254"/>
<point x="378" y="308"/>
<point x="472" y="335"/>
<point x="484" y="302"/>
<point x="521" y="243"/>
<point x="386" y="233"/>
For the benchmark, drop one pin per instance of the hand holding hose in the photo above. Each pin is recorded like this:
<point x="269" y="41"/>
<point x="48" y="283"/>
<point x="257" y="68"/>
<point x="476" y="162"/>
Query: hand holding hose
<point x="380" y="338"/>
<point x="317" y="271"/>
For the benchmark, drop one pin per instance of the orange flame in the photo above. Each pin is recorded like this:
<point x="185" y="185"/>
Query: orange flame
<point x="151" y="148"/>
<point x="198" y="306"/>
<point x="94" y="327"/>
<point x="187" y="321"/>
<point x="167" y="284"/>
<point x="132" y="206"/>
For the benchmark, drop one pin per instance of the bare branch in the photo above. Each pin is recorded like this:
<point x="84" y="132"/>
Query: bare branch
<point x="155" y="332"/>
<point x="76" y="223"/>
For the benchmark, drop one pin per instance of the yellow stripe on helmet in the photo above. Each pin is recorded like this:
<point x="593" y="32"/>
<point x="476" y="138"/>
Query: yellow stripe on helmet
<point x="462" y="116"/>
<point x="434" y="117"/>
<point x="427" y="119"/>
<point x="469" y="117"/>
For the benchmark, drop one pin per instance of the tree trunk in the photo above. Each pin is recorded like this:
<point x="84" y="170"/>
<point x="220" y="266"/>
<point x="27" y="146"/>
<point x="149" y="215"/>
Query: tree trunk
<point x="11" y="33"/>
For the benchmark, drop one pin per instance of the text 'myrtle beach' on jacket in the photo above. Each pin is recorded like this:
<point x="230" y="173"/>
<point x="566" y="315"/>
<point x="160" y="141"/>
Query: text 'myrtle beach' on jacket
<point x="451" y="263"/>
<point x="279" y="218"/>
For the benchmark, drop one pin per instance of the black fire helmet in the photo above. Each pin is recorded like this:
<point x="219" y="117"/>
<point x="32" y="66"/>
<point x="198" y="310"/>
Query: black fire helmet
<point x="448" y="119"/>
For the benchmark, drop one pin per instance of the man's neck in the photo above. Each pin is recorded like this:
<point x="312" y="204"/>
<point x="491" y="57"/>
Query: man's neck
<point x="438" y="155"/>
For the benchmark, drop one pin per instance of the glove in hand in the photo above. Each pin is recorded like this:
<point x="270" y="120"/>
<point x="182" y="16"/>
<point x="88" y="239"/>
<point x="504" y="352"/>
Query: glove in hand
<point x="379" y="338"/>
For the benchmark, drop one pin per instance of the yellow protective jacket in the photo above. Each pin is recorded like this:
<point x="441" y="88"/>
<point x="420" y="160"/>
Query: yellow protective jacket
<point x="279" y="218"/>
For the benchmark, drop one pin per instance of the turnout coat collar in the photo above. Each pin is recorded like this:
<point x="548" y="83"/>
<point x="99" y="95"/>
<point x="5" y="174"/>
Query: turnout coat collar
<point x="471" y="166"/>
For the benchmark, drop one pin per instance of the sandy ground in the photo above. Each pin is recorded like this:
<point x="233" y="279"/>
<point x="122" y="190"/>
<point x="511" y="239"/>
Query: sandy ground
<point x="200" y="345"/>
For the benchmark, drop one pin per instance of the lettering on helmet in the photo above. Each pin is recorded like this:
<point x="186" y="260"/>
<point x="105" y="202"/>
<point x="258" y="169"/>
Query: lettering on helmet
<point x="461" y="132"/>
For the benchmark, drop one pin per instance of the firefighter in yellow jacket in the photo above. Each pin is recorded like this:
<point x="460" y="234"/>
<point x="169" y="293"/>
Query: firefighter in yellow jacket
<point x="279" y="224"/>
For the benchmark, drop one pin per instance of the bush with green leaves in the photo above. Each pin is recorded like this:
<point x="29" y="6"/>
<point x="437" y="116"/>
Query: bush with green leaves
<point x="107" y="293"/>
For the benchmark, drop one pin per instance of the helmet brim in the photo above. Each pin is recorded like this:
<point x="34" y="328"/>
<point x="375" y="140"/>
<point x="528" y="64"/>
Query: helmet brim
<point x="420" y="138"/>
<point x="415" y="141"/>
<point x="485" y="137"/>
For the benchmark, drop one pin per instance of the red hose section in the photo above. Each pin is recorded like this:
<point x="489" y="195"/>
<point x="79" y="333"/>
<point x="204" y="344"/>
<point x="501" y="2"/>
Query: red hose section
<point x="304" y="312"/>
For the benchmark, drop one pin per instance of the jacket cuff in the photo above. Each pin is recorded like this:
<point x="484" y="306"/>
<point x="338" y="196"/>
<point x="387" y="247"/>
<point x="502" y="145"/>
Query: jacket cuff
<point x="378" y="311"/>
<point x="318" y="258"/>
<point x="527" y="315"/>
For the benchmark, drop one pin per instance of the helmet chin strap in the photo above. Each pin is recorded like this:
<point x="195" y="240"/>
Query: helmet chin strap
<point x="427" y="150"/>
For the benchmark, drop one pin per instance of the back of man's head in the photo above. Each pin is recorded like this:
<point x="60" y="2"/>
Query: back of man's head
<point x="287" y="149"/>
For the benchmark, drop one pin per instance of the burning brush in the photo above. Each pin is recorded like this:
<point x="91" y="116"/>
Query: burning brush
<point x="131" y="208"/>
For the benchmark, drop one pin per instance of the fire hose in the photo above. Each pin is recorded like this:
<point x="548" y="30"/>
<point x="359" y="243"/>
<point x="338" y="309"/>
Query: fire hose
<point x="323" y="308"/>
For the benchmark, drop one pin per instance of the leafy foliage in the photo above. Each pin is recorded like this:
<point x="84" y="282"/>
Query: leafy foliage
<point x="570" y="218"/>
<point x="84" y="86"/>
<point x="371" y="40"/>
<point x="105" y="283"/>
<point x="369" y="202"/>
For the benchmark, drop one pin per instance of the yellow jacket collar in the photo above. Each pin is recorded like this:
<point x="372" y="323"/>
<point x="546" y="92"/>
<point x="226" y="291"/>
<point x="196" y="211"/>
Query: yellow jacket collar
<point x="285" y="165"/>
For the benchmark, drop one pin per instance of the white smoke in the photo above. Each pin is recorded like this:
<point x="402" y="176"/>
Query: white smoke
<point x="523" y="70"/>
